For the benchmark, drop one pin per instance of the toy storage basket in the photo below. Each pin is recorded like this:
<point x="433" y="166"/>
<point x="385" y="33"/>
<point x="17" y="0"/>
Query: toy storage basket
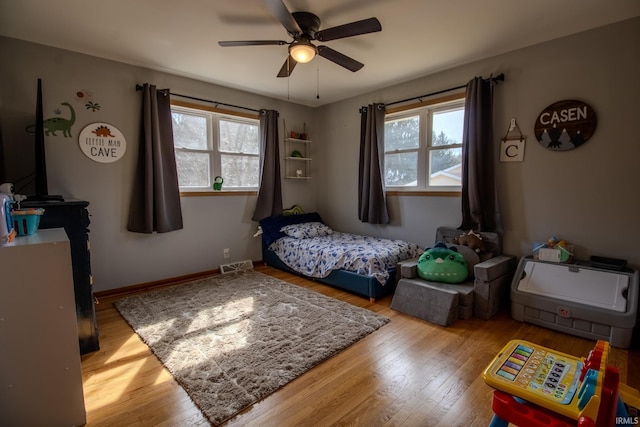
<point x="26" y="221"/>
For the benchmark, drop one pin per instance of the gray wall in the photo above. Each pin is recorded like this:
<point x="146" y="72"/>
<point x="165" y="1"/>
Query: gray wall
<point x="121" y="258"/>
<point x="588" y="196"/>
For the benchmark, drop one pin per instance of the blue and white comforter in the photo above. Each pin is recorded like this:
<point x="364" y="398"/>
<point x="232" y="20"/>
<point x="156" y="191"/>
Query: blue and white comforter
<point x="369" y="256"/>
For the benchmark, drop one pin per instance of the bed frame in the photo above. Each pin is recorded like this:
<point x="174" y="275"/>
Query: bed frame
<point x="346" y="280"/>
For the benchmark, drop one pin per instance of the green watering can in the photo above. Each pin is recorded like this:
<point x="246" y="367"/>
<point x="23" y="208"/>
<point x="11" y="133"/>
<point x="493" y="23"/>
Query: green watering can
<point x="217" y="183"/>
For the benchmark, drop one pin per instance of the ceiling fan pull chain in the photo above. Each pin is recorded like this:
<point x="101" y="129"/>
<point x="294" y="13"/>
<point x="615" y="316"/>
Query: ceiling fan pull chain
<point x="318" y="80"/>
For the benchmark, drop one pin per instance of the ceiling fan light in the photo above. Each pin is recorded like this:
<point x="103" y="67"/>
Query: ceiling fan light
<point x="302" y="52"/>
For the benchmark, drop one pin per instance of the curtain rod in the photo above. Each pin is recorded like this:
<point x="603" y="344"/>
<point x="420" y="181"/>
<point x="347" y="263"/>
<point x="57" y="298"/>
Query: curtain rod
<point x="139" y="87"/>
<point x="498" y="78"/>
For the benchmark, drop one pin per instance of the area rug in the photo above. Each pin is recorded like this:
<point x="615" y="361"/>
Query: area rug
<point x="231" y="340"/>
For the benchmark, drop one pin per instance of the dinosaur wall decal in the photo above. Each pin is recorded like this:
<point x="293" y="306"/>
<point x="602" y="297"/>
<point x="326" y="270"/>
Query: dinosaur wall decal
<point x="54" y="124"/>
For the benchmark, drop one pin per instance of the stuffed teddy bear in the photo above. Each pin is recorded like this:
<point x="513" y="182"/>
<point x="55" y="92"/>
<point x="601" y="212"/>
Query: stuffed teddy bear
<point x="472" y="240"/>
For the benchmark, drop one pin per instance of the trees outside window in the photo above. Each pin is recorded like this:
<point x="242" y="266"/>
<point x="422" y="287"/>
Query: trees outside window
<point x="209" y="144"/>
<point x="423" y="148"/>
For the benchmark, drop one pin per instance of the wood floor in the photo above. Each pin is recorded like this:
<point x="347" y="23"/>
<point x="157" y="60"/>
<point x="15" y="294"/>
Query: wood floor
<point x="408" y="373"/>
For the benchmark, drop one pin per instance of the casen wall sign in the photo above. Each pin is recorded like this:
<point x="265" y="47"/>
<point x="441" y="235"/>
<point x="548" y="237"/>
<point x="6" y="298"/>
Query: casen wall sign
<point x="565" y="125"/>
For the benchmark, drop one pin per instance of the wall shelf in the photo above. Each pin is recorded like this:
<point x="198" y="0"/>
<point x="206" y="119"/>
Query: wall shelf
<point x="297" y="177"/>
<point x="297" y="166"/>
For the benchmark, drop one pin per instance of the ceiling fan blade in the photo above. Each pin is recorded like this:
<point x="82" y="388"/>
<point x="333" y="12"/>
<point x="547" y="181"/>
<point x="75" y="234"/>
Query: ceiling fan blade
<point x="340" y="59"/>
<point x="287" y="67"/>
<point x="365" y="26"/>
<point x="280" y="11"/>
<point x="232" y="43"/>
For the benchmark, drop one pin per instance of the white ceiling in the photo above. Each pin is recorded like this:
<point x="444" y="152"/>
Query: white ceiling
<point x="418" y="37"/>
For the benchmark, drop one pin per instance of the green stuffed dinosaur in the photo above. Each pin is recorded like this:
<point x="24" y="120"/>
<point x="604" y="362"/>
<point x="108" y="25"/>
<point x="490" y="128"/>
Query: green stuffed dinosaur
<point x="442" y="264"/>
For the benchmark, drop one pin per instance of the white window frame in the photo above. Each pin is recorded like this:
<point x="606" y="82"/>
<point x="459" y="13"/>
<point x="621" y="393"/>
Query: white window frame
<point x="425" y="145"/>
<point x="213" y="117"/>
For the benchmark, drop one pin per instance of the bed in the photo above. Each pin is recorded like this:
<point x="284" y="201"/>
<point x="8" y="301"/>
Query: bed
<point x="303" y="244"/>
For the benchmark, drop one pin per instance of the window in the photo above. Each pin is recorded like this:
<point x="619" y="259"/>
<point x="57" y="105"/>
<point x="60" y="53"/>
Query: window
<point x="209" y="144"/>
<point x="423" y="148"/>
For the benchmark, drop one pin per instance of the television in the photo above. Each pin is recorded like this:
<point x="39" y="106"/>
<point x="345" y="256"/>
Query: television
<point x="41" y="187"/>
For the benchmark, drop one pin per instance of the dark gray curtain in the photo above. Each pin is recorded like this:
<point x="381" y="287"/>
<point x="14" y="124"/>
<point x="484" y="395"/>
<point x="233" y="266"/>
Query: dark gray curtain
<point x="372" y="202"/>
<point x="270" y="194"/>
<point x="155" y="202"/>
<point x="479" y="193"/>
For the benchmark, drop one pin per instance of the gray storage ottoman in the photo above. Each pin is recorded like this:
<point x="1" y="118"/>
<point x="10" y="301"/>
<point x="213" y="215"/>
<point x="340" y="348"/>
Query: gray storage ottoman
<point x="442" y="304"/>
<point x="491" y="285"/>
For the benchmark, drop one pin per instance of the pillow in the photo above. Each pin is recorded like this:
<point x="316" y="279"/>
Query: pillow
<point x="272" y="225"/>
<point x="441" y="264"/>
<point x="306" y="230"/>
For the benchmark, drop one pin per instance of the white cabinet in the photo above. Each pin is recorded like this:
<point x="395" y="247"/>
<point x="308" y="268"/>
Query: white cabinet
<point x="297" y="158"/>
<point x="40" y="371"/>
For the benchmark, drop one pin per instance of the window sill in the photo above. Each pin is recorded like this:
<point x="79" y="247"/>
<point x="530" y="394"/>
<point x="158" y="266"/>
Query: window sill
<point x="218" y="193"/>
<point x="424" y="193"/>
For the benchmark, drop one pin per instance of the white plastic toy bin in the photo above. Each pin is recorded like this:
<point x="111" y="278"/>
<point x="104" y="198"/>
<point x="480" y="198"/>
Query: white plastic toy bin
<point x="578" y="299"/>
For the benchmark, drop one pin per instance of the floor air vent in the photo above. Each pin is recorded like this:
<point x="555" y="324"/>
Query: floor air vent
<point x="235" y="267"/>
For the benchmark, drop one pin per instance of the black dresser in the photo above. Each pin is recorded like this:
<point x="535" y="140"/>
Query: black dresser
<point x="73" y="216"/>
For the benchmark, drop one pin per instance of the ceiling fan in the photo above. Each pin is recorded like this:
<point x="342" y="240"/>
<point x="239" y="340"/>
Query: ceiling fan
<point x="304" y="27"/>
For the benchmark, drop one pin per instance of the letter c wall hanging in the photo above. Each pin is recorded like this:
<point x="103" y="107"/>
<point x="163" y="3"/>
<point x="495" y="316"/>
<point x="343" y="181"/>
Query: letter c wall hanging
<point x="565" y="125"/>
